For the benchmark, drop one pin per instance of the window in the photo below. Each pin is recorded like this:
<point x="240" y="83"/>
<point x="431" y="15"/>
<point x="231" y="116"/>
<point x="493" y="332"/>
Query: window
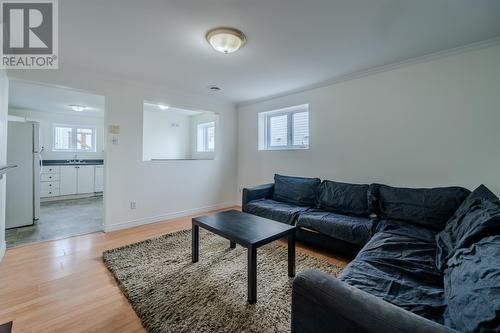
<point x="284" y="129"/>
<point x="69" y="138"/>
<point x="206" y="137"/>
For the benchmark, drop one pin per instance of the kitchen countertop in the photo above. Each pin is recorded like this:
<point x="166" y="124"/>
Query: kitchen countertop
<point x="65" y="162"/>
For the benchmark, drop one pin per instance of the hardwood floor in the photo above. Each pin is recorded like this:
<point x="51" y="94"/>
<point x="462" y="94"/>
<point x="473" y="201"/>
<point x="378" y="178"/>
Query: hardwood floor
<point x="63" y="286"/>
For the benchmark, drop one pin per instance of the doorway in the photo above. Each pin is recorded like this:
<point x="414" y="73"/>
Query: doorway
<point x="56" y="139"/>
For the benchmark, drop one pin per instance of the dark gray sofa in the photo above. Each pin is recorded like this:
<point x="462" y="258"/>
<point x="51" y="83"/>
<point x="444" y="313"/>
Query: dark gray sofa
<point x="432" y="264"/>
<point x="343" y="226"/>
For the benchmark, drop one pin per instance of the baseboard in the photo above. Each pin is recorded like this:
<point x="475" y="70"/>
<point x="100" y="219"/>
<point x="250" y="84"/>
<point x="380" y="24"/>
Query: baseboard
<point x="166" y="217"/>
<point x="3" y="247"/>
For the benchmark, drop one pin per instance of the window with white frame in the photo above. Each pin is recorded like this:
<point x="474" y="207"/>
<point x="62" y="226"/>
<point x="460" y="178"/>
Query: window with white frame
<point x="284" y="128"/>
<point x="71" y="138"/>
<point x="206" y="137"/>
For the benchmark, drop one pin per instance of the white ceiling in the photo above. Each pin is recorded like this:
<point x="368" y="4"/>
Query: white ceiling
<point x="43" y="98"/>
<point x="291" y="43"/>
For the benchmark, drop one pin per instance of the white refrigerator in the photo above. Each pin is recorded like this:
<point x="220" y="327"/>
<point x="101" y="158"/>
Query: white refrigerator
<point x="23" y="193"/>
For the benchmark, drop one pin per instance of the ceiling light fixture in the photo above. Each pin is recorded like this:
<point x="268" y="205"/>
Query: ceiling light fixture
<point x="78" y="108"/>
<point x="225" y="40"/>
<point x="163" y="107"/>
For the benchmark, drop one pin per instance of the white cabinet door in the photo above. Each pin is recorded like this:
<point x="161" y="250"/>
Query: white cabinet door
<point x="68" y="180"/>
<point x="85" y="179"/>
<point x="99" y="178"/>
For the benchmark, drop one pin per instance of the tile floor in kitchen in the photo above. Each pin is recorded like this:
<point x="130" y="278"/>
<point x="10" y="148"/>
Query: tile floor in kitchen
<point x="60" y="219"/>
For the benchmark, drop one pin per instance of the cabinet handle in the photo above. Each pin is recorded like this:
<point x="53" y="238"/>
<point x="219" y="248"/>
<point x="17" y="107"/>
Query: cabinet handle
<point x="50" y="185"/>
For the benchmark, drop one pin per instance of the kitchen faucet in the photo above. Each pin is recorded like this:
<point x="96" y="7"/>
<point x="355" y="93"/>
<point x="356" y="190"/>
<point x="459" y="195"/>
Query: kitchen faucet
<point x="74" y="160"/>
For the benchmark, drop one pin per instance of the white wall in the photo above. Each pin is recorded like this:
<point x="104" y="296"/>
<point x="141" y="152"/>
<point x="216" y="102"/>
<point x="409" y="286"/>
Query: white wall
<point x="429" y="124"/>
<point x="161" y="189"/>
<point x="47" y="121"/>
<point x="161" y="139"/>
<point x="4" y="99"/>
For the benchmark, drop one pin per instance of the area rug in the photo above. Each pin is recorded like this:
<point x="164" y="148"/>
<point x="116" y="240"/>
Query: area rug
<point x="171" y="294"/>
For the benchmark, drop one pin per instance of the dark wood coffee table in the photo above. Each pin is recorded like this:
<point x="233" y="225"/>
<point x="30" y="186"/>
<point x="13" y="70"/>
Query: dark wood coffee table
<point x="249" y="231"/>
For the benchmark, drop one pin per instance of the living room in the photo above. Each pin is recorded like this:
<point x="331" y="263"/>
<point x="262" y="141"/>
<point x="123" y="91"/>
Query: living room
<point x="402" y="94"/>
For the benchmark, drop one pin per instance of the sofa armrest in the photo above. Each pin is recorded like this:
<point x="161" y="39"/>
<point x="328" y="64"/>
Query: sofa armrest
<point x="257" y="192"/>
<point x="322" y="303"/>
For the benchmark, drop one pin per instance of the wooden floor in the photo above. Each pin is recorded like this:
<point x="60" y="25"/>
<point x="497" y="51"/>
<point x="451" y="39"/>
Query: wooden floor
<point x="63" y="286"/>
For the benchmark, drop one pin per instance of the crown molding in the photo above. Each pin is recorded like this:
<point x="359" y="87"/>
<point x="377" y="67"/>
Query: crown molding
<point x="380" y="69"/>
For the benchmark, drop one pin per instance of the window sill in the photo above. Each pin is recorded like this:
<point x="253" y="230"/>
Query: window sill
<point x="281" y="149"/>
<point x="74" y="152"/>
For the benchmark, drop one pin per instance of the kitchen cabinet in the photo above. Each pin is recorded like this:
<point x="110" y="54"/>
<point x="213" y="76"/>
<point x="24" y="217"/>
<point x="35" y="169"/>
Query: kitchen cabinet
<point x="99" y="178"/>
<point x="49" y="181"/>
<point x="68" y="180"/>
<point x="85" y="176"/>
<point x="53" y="169"/>
<point x="49" y="189"/>
<point x="49" y="177"/>
<point x="71" y="179"/>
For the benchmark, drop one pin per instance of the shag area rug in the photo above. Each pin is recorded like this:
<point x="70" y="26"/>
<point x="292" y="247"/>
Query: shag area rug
<point x="171" y="294"/>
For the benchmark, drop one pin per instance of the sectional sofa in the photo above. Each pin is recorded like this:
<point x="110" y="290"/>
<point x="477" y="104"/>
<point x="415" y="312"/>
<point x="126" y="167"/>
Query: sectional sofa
<point x="331" y="215"/>
<point x="428" y="260"/>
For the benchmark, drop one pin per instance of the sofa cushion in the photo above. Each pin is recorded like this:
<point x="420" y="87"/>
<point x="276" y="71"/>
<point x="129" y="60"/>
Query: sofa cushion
<point x="472" y="287"/>
<point x="352" y="229"/>
<point x="402" y="228"/>
<point x="430" y="208"/>
<point x="479" y="194"/>
<point x="400" y="269"/>
<point x="344" y="198"/>
<point x="476" y="218"/>
<point x="296" y="190"/>
<point x="275" y="210"/>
